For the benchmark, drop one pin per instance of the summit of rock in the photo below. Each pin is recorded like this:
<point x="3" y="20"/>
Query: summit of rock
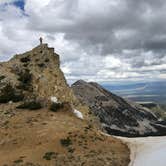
<point x="41" y="66"/>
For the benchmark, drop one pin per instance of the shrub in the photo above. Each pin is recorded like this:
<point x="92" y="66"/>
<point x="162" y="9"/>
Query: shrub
<point x="71" y="150"/>
<point x="66" y="142"/>
<point x="25" y="78"/>
<point x="42" y="65"/>
<point x="17" y="97"/>
<point x="18" y="161"/>
<point x="26" y="87"/>
<point x="47" y="60"/>
<point x="25" y="59"/>
<point x="8" y="93"/>
<point x="49" y="155"/>
<point x="56" y="106"/>
<point x="25" y="65"/>
<point x="2" y="77"/>
<point x="31" y="105"/>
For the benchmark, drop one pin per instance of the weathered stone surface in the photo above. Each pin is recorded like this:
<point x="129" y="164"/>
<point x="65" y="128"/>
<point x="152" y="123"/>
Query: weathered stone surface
<point x="37" y="73"/>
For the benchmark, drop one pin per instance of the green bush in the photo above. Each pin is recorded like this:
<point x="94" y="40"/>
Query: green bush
<point x="8" y="93"/>
<point x="31" y="105"/>
<point x="49" y="155"/>
<point x="66" y="142"/>
<point x="56" y="106"/>
<point x="18" y="161"/>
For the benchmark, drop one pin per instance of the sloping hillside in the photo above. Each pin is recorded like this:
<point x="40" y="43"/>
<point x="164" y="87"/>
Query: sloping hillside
<point x="118" y="116"/>
<point x="43" y="124"/>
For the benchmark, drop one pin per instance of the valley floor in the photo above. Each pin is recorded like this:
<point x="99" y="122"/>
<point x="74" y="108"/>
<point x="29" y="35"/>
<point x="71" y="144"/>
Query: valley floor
<point x="148" y="151"/>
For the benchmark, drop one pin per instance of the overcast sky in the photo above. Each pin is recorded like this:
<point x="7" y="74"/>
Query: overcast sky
<point x="98" y="40"/>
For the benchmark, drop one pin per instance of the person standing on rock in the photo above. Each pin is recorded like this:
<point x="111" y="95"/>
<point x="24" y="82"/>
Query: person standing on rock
<point x="41" y="40"/>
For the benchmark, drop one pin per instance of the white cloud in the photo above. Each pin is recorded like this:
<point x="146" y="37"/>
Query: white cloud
<point x="7" y="1"/>
<point x="97" y="40"/>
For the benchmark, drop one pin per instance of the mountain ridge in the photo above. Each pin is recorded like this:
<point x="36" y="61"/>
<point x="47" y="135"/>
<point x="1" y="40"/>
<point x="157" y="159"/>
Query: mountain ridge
<point x="118" y="116"/>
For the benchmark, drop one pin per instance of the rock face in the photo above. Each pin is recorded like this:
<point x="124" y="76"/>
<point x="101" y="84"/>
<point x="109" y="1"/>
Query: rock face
<point x="36" y="74"/>
<point x="118" y="116"/>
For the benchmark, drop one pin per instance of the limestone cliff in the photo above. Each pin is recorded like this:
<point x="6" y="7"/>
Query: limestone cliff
<point x="37" y="72"/>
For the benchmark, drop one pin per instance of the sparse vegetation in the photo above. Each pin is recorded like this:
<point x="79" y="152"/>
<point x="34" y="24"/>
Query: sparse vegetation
<point x="8" y="93"/>
<point x="25" y="59"/>
<point x="31" y="105"/>
<point x="56" y="106"/>
<point x="25" y="65"/>
<point x="47" y="60"/>
<point x="41" y="65"/>
<point x="49" y="155"/>
<point x="66" y="142"/>
<point x="71" y="150"/>
<point x="26" y="87"/>
<point x="18" y="161"/>
<point x="25" y="78"/>
<point x="2" y="77"/>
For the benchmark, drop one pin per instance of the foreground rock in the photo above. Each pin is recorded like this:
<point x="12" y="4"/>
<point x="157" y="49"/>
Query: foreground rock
<point x="118" y="116"/>
<point x="42" y="123"/>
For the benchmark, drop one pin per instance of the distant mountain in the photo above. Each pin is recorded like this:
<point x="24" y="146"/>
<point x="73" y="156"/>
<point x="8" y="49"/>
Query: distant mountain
<point x="118" y="116"/>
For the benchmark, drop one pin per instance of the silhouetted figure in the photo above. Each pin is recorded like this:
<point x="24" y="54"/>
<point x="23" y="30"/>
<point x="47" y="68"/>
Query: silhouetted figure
<point x="41" y="40"/>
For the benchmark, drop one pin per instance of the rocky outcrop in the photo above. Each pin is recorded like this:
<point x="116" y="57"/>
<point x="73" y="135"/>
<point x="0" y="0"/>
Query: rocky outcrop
<point x="36" y="73"/>
<point x="118" y="116"/>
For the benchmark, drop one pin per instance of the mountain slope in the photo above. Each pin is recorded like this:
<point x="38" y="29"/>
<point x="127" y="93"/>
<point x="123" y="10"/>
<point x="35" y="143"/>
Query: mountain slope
<point x="39" y="126"/>
<point x="117" y="115"/>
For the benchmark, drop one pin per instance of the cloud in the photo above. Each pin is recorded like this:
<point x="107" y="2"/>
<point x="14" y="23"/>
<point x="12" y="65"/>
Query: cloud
<point x="7" y="1"/>
<point x="97" y="40"/>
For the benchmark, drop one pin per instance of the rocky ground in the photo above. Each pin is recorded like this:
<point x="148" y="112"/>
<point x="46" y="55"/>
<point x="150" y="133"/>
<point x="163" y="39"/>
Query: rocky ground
<point x="118" y="116"/>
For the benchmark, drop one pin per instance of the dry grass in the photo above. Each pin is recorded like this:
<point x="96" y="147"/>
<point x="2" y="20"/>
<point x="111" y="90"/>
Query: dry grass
<point x="35" y="137"/>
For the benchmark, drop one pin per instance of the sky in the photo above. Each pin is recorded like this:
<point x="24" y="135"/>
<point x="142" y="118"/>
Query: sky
<point x="98" y="40"/>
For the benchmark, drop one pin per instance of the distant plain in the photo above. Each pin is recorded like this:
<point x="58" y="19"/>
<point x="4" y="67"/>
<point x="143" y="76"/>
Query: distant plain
<point x="140" y="92"/>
